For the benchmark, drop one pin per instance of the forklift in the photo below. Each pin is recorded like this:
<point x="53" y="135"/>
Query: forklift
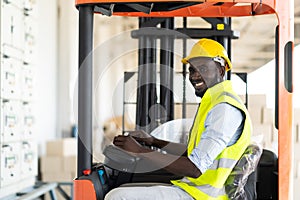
<point x="273" y="176"/>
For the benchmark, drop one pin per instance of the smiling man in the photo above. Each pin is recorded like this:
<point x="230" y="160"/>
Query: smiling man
<point x="219" y="136"/>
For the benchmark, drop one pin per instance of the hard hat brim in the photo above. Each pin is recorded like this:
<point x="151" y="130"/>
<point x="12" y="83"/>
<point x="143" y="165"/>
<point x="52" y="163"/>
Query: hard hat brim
<point x="228" y="63"/>
<point x="185" y="60"/>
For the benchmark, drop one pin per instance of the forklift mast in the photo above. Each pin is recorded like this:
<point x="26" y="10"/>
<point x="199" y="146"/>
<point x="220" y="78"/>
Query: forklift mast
<point x="147" y="12"/>
<point x="150" y="113"/>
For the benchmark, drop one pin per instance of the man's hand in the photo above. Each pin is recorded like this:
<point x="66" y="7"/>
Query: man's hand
<point x="142" y="137"/>
<point x="127" y="143"/>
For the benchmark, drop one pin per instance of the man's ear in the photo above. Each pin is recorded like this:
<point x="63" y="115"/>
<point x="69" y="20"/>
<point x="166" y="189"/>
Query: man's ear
<point x="222" y="70"/>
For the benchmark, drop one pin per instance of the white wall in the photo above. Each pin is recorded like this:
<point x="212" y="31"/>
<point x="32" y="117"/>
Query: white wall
<point x="67" y="66"/>
<point x="112" y="47"/>
<point x="266" y="82"/>
<point x="46" y="73"/>
<point x="107" y="79"/>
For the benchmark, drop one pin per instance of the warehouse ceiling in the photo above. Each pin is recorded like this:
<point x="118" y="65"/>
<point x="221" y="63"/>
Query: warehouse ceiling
<point x="255" y="47"/>
<point x="256" y="43"/>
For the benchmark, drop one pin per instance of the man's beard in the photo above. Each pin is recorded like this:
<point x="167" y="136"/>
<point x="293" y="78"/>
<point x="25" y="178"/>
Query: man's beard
<point x="199" y="93"/>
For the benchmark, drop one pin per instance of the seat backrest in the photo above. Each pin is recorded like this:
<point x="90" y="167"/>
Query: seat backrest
<point x="246" y="166"/>
<point x="267" y="176"/>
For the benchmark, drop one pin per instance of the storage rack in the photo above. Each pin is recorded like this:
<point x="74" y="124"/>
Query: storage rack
<point x="18" y="145"/>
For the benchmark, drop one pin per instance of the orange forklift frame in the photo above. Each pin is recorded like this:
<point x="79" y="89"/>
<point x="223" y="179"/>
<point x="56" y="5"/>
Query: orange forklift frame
<point x="84" y="189"/>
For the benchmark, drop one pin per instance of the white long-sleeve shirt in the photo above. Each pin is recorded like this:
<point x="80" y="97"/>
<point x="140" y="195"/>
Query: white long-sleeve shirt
<point x="223" y="127"/>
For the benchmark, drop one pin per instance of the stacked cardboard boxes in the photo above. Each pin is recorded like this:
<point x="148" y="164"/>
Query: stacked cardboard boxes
<point x="296" y="152"/>
<point x="59" y="163"/>
<point x="262" y="120"/>
<point x="263" y="124"/>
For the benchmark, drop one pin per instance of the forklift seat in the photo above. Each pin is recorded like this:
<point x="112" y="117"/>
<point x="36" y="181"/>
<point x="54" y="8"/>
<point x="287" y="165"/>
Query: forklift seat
<point x="267" y="176"/>
<point x="241" y="183"/>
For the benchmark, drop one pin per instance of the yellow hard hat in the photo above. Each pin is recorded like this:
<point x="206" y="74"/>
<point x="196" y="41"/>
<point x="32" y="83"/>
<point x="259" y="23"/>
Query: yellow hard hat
<point x="208" y="48"/>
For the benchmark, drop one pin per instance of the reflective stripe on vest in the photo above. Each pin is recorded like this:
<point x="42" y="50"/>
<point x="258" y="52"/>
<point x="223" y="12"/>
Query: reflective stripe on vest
<point x="207" y="189"/>
<point x="212" y="191"/>
<point x="223" y="163"/>
<point x="230" y="95"/>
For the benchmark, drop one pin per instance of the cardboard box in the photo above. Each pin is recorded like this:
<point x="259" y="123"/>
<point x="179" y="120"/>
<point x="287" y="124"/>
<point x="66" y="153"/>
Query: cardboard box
<point x="255" y="114"/>
<point x="267" y="116"/>
<point x="57" y="177"/>
<point x="62" y="147"/>
<point x="191" y="110"/>
<point x="70" y="164"/>
<point x="297" y="115"/>
<point x="264" y="129"/>
<point x="51" y="164"/>
<point x="257" y="100"/>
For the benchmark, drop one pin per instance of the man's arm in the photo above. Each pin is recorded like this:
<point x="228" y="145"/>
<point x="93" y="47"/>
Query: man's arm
<point x="178" y="165"/>
<point x="170" y="147"/>
<point x="224" y="125"/>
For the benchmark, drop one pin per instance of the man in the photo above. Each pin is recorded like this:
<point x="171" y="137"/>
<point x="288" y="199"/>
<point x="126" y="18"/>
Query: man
<point x="219" y="136"/>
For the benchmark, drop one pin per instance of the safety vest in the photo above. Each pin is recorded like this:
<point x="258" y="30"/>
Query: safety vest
<point x="210" y="185"/>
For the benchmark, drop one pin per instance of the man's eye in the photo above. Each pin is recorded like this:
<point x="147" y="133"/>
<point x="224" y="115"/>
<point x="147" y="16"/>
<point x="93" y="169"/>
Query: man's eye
<point x="203" y="69"/>
<point x="191" y="70"/>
